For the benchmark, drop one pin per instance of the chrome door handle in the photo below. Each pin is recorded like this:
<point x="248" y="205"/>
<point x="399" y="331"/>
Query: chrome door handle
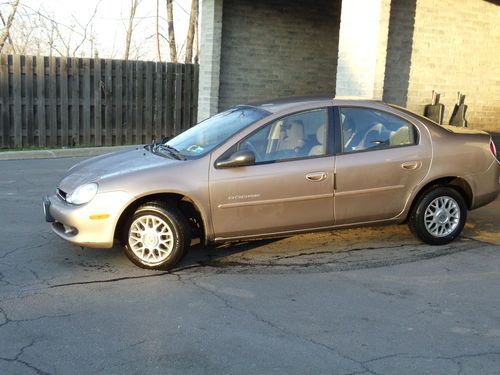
<point x="411" y="165"/>
<point x="316" y="176"/>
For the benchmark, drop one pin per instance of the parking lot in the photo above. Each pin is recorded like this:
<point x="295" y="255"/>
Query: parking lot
<point x="372" y="300"/>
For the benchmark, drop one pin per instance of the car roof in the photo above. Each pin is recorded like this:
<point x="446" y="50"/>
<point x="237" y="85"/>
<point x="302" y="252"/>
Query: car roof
<point x="286" y="103"/>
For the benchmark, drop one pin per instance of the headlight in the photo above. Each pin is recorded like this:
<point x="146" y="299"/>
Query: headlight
<point x="82" y="194"/>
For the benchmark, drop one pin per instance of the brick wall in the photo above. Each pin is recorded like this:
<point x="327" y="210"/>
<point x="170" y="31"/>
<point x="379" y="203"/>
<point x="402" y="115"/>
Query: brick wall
<point x="447" y="46"/>
<point x="276" y="48"/>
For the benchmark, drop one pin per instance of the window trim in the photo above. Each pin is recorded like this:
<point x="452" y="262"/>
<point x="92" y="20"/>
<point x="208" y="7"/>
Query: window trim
<point x="340" y="146"/>
<point x="330" y="148"/>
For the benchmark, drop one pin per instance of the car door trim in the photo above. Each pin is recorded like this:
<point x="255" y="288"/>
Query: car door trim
<point x="274" y="201"/>
<point x="367" y="191"/>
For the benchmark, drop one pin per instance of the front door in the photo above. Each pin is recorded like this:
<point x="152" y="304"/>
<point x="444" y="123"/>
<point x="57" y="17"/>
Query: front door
<point x="289" y="188"/>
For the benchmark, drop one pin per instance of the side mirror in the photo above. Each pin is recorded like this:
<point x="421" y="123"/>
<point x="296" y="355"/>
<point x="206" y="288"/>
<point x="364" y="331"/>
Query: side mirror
<point x="238" y="159"/>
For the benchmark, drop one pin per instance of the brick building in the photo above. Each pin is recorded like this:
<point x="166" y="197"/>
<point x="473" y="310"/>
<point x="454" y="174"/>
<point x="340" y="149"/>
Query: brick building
<point x="394" y="50"/>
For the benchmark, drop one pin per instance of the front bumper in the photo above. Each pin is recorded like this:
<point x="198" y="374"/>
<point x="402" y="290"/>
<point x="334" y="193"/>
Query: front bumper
<point x="90" y="225"/>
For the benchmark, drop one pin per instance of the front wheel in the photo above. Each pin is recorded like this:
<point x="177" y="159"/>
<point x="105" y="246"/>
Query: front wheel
<point x="156" y="236"/>
<point x="439" y="216"/>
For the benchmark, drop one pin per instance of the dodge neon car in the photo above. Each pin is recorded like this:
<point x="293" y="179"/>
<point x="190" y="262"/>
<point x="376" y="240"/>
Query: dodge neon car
<point x="275" y="169"/>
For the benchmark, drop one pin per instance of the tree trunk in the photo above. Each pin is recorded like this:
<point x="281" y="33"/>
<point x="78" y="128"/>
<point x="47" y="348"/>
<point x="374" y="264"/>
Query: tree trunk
<point x="196" y="57"/>
<point x="6" y="29"/>
<point x="10" y="39"/>
<point x="171" y="33"/>
<point x="193" y="23"/>
<point x="130" y="29"/>
<point x="158" y="52"/>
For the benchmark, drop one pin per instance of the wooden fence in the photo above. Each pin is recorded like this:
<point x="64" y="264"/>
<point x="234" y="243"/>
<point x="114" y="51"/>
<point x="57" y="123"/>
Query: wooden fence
<point x="66" y="102"/>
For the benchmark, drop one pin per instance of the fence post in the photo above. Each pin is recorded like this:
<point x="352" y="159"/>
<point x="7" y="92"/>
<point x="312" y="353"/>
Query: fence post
<point x="129" y="103"/>
<point x="52" y="101"/>
<point x="178" y="100"/>
<point x="186" y="103"/>
<point x="117" y="96"/>
<point x="16" y="91"/>
<point x="40" y="101"/>
<point x="75" y="101"/>
<point x="4" y="95"/>
<point x="28" y="82"/>
<point x="139" y="102"/>
<point x="86" y="108"/>
<point x="169" y="100"/>
<point x="148" y="110"/>
<point x="108" y="104"/>
<point x="63" y="90"/>
<point x="97" y="103"/>
<point x="158" y="118"/>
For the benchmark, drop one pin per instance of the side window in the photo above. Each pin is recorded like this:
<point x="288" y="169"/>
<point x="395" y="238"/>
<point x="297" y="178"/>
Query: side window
<point x="297" y="136"/>
<point x="365" y="129"/>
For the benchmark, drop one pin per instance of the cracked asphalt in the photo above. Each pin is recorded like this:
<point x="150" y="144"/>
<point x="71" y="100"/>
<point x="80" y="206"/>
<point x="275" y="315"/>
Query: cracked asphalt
<point x="364" y="301"/>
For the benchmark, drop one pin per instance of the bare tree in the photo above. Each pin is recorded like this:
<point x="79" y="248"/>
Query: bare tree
<point x="6" y="28"/>
<point x="196" y="45"/>
<point x="193" y="24"/>
<point x="171" y="32"/>
<point x="9" y="37"/>
<point x="85" y="29"/>
<point x="158" y="52"/>
<point x="64" y="39"/>
<point x="130" y="28"/>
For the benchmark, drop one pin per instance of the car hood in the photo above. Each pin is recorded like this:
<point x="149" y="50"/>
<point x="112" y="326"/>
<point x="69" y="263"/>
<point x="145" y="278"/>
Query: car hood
<point x="109" y="165"/>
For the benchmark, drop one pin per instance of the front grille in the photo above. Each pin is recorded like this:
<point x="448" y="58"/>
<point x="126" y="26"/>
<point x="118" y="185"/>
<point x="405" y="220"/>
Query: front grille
<point x="61" y="194"/>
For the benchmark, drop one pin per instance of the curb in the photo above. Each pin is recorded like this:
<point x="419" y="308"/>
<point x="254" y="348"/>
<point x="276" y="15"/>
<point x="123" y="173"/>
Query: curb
<point x="62" y="153"/>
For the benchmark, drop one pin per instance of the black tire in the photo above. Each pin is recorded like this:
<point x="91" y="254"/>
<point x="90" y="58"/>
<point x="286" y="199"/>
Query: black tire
<point x="417" y="223"/>
<point x="179" y="231"/>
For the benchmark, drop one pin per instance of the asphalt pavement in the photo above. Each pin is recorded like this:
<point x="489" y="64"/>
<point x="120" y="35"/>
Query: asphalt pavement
<point x="363" y="301"/>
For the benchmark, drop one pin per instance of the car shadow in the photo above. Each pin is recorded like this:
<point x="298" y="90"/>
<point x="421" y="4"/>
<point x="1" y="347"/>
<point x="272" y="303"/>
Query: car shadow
<point x="211" y="255"/>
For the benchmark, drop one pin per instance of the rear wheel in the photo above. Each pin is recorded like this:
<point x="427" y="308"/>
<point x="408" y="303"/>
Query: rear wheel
<point x="439" y="216"/>
<point x="156" y="236"/>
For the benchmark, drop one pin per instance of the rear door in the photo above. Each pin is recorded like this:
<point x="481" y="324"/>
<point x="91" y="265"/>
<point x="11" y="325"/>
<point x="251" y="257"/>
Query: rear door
<point x="383" y="158"/>
<point x="289" y="188"/>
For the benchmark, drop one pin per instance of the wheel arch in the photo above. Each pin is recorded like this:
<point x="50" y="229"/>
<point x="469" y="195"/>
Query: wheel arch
<point x="188" y="208"/>
<point x="456" y="182"/>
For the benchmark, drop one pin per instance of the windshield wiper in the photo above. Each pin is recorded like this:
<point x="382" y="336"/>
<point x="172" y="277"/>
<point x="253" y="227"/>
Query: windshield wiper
<point x="172" y="150"/>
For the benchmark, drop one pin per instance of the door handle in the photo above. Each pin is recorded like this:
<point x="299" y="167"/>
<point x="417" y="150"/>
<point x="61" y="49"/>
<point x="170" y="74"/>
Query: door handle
<point x="411" y="165"/>
<point x="316" y="176"/>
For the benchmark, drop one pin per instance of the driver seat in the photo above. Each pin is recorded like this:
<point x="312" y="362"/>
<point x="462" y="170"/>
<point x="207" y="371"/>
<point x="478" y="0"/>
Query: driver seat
<point x="293" y="137"/>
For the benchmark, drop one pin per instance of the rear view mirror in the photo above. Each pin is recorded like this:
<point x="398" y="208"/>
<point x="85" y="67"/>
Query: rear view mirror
<point x="238" y="159"/>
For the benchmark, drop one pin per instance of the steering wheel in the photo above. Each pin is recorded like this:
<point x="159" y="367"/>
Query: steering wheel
<point x="249" y="146"/>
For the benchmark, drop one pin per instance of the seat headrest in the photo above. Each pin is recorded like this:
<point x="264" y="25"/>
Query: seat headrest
<point x="320" y="134"/>
<point x="296" y="130"/>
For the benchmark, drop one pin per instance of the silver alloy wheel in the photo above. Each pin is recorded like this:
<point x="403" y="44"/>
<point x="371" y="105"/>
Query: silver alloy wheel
<point x="151" y="239"/>
<point x="442" y="216"/>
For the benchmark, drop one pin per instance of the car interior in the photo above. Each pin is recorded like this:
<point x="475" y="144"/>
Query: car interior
<point x="295" y="136"/>
<point x="365" y="129"/>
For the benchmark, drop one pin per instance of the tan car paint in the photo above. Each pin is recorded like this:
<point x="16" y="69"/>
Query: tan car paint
<point x="278" y="199"/>
<point x="274" y="197"/>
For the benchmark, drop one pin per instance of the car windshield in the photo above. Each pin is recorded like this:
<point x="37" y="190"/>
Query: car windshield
<point x="208" y="134"/>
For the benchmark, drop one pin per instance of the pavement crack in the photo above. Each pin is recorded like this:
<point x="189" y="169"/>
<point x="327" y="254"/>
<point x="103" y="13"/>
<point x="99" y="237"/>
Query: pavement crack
<point x="456" y="360"/>
<point x="6" y="320"/>
<point x="17" y="359"/>
<point x="117" y="279"/>
<point x="347" y="252"/>
<point x="282" y="330"/>
<point x="172" y="272"/>
<point x="37" y="246"/>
